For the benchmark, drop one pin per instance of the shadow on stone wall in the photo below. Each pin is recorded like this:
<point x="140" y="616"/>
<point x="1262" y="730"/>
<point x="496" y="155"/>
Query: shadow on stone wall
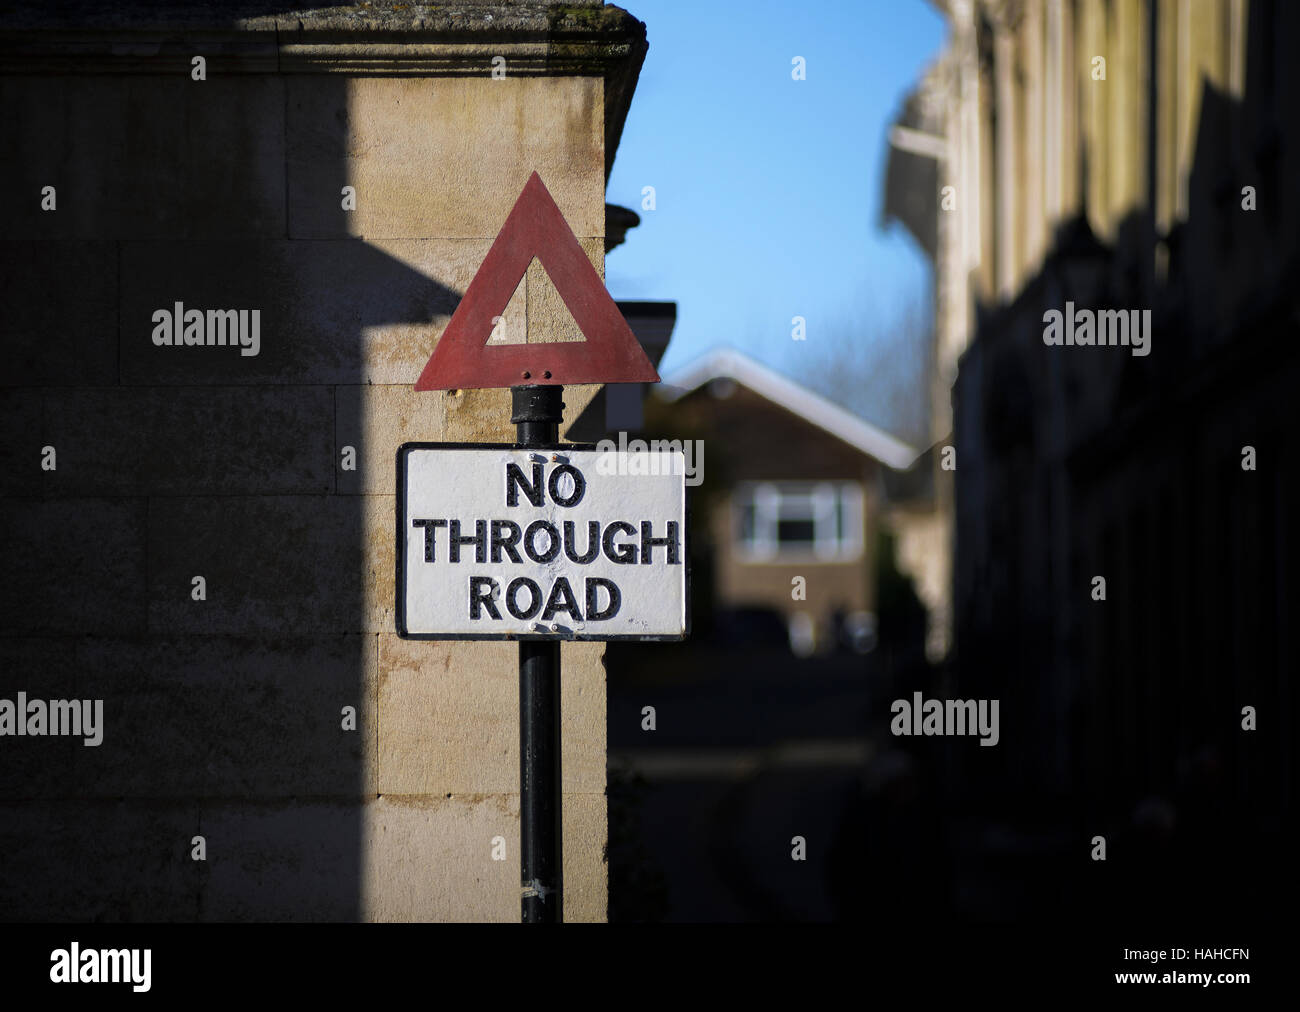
<point x="222" y="717"/>
<point x="1124" y="718"/>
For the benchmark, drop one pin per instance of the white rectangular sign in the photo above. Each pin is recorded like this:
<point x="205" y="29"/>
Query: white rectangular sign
<point x="509" y="542"/>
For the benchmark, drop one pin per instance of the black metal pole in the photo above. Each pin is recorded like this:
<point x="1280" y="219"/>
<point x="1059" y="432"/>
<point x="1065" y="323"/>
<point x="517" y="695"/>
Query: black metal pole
<point x="537" y="411"/>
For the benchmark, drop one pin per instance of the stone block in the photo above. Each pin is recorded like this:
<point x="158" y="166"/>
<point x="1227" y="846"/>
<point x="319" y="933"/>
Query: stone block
<point x="376" y="420"/>
<point x="138" y="157"/>
<point x="82" y="566"/>
<point x="344" y="312"/>
<point x="21" y="442"/>
<point x="193" y="440"/>
<point x="449" y="717"/>
<point x="60" y="302"/>
<point x="380" y="564"/>
<point x="430" y="859"/>
<point x="442" y="157"/>
<point x="282" y="861"/>
<point x="204" y="717"/>
<point x="274" y="566"/>
<point x="586" y="874"/>
<point x="44" y="669"/>
<point x="90" y="862"/>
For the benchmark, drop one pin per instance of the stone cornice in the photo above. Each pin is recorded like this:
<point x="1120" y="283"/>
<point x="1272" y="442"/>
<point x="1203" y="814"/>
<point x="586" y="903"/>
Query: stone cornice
<point x="414" y="40"/>
<point x="419" y="40"/>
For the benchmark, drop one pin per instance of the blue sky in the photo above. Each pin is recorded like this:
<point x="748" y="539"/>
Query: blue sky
<point x="767" y="189"/>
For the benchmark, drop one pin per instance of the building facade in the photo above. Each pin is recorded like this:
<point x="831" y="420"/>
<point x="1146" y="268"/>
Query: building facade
<point x="795" y="485"/>
<point x="1096" y="159"/>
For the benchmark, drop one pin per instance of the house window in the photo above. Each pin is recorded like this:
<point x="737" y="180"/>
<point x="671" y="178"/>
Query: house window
<point x="798" y="520"/>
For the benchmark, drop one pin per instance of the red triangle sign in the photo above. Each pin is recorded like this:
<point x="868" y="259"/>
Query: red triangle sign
<point x="463" y="359"/>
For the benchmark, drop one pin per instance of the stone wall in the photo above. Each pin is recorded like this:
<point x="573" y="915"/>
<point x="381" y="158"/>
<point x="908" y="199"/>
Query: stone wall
<point x="224" y="716"/>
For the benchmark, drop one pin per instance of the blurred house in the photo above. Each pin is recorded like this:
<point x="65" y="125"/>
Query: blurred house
<point x="793" y="517"/>
<point x="1117" y="156"/>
